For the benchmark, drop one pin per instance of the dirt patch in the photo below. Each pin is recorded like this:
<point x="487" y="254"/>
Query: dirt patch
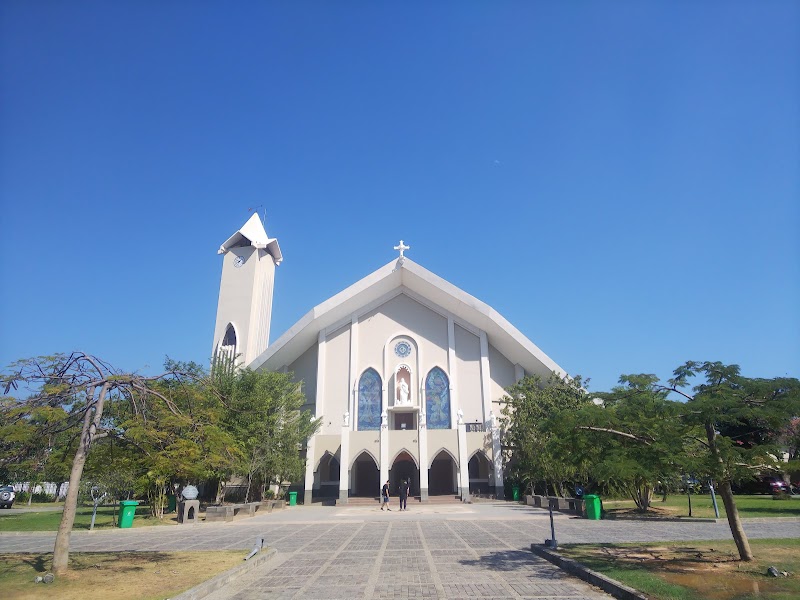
<point x="654" y="512"/>
<point x="113" y="575"/>
<point x="711" y="570"/>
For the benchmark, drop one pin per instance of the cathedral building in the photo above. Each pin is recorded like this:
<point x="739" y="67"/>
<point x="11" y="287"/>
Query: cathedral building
<point x="405" y="370"/>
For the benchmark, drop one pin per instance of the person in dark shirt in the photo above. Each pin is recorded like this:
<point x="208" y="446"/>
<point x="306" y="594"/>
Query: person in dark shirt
<point x="385" y="495"/>
<point x="403" y="494"/>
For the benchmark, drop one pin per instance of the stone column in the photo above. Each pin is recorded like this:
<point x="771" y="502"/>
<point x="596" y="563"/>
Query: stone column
<point x="384" y="447"/>
<point x="497" y="457"/>
<point x="309" y="481"/>
<point x="463" y="465"/>
<point x="422" y="436"/>
<point x="344" y="466"/>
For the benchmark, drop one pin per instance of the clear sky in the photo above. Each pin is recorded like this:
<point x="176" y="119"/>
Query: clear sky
<point x="620" y="180"/>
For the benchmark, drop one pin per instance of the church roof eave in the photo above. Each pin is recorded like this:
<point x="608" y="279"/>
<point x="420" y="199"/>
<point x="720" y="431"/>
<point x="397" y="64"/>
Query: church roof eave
<point x="397" y="277"/>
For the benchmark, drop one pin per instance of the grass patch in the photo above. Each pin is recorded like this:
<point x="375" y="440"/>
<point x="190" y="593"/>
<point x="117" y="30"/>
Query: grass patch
<point x="113" y="575"/>
<point x="49" y="521"/>
<point x="696" y="570"/>
<point x="753" y="505"/>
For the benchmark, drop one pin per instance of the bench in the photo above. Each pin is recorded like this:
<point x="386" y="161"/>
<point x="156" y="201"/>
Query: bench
<point x="227" y="512"/>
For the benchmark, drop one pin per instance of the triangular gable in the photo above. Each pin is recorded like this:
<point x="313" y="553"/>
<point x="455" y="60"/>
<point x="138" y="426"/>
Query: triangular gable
<point x="407" y="277"/>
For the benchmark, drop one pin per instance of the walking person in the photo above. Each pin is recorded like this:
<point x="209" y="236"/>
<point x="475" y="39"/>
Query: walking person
<point x="385" y="495"/>
<point x="403" y="494"/>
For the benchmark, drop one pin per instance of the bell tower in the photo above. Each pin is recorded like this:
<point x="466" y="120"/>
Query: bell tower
<point x="244" y="310"/>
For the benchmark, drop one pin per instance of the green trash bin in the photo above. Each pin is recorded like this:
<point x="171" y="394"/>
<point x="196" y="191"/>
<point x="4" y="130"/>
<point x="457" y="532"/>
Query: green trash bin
<point x="594" y="508"/>
<point x="292" y="498"/>
<point x="127" y="510"/>
<point x="172" y="503"/>
<point x="515" y="492"/>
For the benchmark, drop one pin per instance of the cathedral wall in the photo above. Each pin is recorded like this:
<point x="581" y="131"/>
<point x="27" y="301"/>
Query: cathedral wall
<point x="365" y="440"/>
<point x="325" y="443"/>
<point x="335" y="398"/>
<point x="501" y="376"/>
<point x="398" y="317"/>
<point x="403" y="440"/>
<point x="479" y="440"/>
<point x="305" y="370"/>
<point x="442" y="438"/>
<point x="468" y="372"/>
<point x="236" y="297"/>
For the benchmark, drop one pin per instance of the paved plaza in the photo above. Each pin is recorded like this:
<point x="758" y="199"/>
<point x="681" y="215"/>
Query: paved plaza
<point x="447" y="551"/>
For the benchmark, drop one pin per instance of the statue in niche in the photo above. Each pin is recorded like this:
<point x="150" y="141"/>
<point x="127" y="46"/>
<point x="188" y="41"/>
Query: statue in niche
<point x="403" y="391"/>
<point x="346" y="419"/>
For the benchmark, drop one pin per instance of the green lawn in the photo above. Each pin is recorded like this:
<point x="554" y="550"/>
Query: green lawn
<point x="48" y="521"/>
<point x="696" y="570"/>
<point x="748" y="505"/>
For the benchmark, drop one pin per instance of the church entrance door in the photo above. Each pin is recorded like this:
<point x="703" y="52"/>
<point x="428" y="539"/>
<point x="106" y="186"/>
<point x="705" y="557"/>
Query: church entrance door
<point x="404" y="468"/>
<point x="366" y="477"/>
<point x="442" y="477"/>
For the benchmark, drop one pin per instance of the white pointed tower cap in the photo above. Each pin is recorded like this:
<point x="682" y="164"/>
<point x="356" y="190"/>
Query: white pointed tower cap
<point x="253" y="234"/>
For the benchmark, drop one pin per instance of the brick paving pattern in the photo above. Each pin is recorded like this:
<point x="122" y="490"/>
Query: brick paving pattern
<point x="408" y="559"/>
<point x="479" y="551"/>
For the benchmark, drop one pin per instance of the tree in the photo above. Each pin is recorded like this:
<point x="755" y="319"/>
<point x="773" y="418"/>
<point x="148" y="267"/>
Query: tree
<point x="79" y="384"/>
<point x="32" y="441"/>
<point x="636" y="437"/>
<point x="265" y="417"/>
<point x="530" y="449"/>
<point x="723" y="404"/>
<point x="185" y="441"/>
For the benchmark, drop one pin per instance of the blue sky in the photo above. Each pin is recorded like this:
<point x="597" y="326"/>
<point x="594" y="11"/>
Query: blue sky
<point x="620" y="180"/>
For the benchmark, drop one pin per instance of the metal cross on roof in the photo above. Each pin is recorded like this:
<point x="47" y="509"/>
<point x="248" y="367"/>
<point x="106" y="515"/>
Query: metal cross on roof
<point x="402" y="248"/>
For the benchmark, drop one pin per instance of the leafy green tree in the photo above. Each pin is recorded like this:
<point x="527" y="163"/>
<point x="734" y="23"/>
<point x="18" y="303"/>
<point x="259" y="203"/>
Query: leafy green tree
<point x="185" y="441"/>
<point x="636" y="437"/>
<point x="722" y="404"/>
<point x="265" y="417"/>
<point x="531" y="452"/>
<point x="32" y="440"/>
<point x="80" y="385"/>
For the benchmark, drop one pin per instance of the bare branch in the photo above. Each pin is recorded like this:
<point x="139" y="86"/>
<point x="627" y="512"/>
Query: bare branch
<point x="644" y="440"/>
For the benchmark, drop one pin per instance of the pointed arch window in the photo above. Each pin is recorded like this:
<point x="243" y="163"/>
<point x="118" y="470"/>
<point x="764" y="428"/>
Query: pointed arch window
<point x="370" y="392"/>
<point x="437" y="399"/>
<point x="228" y="345"/>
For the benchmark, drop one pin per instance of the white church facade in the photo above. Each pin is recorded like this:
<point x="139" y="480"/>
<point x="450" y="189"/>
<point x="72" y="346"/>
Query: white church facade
<point x="405" y="370"/>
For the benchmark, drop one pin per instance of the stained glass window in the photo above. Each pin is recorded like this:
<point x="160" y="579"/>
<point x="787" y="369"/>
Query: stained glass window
<point x="437" y="399"/>
<point x="369" y="401"/>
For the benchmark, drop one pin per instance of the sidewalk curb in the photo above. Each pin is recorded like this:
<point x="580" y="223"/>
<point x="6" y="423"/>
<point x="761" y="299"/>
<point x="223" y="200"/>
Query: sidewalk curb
<point x="612" y="586"/>
<point x="212" y="585"/>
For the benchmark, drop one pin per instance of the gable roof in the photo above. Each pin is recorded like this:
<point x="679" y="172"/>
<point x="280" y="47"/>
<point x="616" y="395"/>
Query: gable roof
<point x="404" y="276"/>
<point x="253" y="234"/>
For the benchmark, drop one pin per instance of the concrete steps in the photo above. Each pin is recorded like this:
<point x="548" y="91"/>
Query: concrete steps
<point x="360" y="501"/>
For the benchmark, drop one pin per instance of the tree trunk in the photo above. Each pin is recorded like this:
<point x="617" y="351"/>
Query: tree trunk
<point x="91" y="421"/>
<point x="61" y="549"/>
<point x="734" y="522"/>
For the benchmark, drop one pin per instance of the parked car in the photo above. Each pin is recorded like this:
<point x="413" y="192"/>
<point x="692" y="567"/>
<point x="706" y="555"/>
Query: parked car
<point x="766" y="484"/>
<point x="7" y="496"/>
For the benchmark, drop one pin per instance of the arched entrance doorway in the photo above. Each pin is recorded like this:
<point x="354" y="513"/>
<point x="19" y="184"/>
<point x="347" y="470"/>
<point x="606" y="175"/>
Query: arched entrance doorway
<point x="365" y="476"/>
<point x="328" y="474"/>
<point x="443" y="475"/>
<point x="479" y="471"/>
<point x="404" y="468"/>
